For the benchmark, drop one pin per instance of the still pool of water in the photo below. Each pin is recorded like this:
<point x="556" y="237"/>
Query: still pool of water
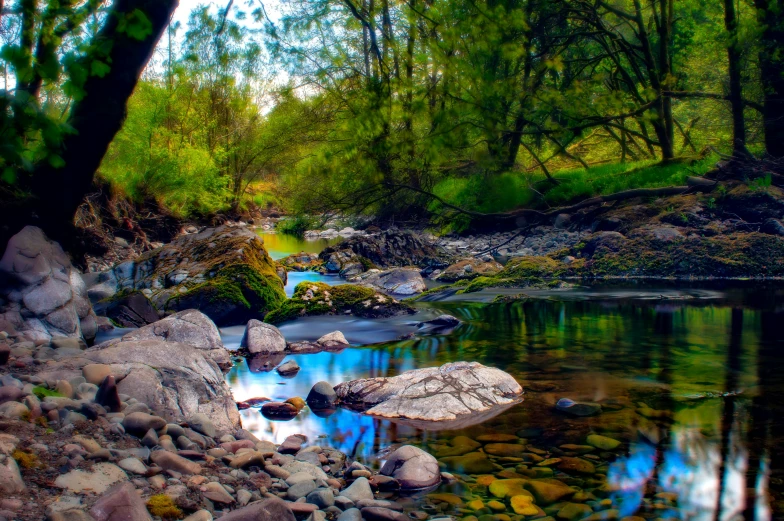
<point x="281" y="245"/>
<point x="689" y="379"/>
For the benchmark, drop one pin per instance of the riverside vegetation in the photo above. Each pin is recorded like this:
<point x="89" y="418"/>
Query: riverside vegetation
<point x="494" y="260"/>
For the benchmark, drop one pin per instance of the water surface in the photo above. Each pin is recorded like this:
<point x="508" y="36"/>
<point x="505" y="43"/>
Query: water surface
<point x="704" y="360"/>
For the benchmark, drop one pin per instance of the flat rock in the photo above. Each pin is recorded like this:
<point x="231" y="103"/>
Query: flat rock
<point x="453" y="392"/>
<point x="98" y="480"/>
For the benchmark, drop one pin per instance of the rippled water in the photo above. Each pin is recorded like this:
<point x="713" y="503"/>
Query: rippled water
<point x="280" y="245"/>
<point x="690" y="381"/>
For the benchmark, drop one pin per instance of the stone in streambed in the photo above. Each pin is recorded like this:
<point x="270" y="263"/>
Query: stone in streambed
<point x="334" y="339"/>
<point x="523" y="505"/>
<point x="472" y="463"/>
<point x="279" y="411"/>
<point x="465" y="389"/>
<point x="504" y="488"/>
<point x="98" y="480"/>
<point x="170" y="461"/>
<point x="270" y="509"/>
<point x="576" y="466"/>
<point x="263" y="338"/>
<point x="412" y="467"/>
<point x="578" y="408"/>
<point x="511" y="450"/>
<point x="460" y="445"/>
<point x="603" y="442"/>
<point x="548" y="492"/>
<point x="215" y="492"/>
<point x="358" y="490"/>
<point x="121" y="503"/>
<point x="288" y="368"/>
<point x="202" y="424"/>
<point x="10" y="479"/>
<point x="138" y="423"/>
<point x="574" y="512"/>
<point x="321" y="396"/>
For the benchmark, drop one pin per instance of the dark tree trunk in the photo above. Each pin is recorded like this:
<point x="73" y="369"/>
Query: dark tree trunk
<point x="736" y="89"/>
<point x="98" y="115"/>
<point x="769" y="13"/>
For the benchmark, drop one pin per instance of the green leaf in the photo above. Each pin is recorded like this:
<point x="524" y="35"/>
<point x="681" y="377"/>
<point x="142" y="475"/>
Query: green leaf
<point x="56" y="161"/>
<point x="136" y="25"/>
<point x="99" y="68"/>
<point x="9" y="176"/>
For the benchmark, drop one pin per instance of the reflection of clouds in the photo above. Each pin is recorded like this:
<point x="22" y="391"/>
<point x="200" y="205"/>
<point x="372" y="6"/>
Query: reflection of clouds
<point x="690" y="469"/>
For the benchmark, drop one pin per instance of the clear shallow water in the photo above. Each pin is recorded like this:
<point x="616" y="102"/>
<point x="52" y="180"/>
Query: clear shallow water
<point x="281" y="245"/>
<point x="689" y="378"/>
<point x="709" y="359"/>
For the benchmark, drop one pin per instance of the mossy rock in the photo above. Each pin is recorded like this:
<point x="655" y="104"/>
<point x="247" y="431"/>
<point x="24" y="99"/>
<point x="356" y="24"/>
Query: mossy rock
<point x="735" y="255"/>
<point x="234" y="296"/>
<point x="224" y="272"/>
<point x="317" y="298"/>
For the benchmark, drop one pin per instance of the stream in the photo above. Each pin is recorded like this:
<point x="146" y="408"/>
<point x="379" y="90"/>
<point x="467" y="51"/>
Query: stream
<point x="687" y="376"/>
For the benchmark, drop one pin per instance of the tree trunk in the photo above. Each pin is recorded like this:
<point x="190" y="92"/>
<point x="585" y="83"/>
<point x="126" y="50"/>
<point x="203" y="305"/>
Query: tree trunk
<point x="769" y="13"/>
<point x="98" y="115"/>
<point x="736" y="92"/>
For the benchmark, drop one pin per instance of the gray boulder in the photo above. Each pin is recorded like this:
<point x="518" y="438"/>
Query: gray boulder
<point x="321" y="396"/>
<point x="458" y="392"/>
<point x="397" y="281"/>
<point x="190" y="327"/>
<point x="176" y="380"/>
<point x="262" y="338"/>
<point x="43" y="295"/>
<point x="412" y="467"/>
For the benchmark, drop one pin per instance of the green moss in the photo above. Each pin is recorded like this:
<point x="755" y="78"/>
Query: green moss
<point x="736" y="255"/>
<point x="43" y="392"/>
<point x="367" y="264"/>
<point x="161" y="505"/>
<point x="316" y="298"/>
<point x="26" y="460"/>
<point x="238" y="291"/>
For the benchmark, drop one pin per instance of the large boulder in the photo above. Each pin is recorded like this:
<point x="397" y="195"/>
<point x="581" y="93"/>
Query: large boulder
<point x="386" y="249"/>
<point x="317" y="298"/>
<point x="190" y="327"/>
<point x="224" y="272"/>
<point x="42" y="295"/>
<point x="397" y="281"/>
<point x="261" y="338"/>
<point x="455" y="393"/>
<point x="175" y="380"/>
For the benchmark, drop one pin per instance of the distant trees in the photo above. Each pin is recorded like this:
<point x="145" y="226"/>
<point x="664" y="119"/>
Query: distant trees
<point x="433" y="88"/>
<point x="197" y="135"/>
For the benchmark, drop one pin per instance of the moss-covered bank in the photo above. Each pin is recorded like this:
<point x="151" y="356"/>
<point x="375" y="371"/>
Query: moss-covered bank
<point x="317" y="298"/>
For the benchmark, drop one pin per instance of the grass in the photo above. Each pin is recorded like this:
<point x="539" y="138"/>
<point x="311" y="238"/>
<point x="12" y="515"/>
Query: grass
<point x="296" y="226"/>
<point x="507" y="191"/>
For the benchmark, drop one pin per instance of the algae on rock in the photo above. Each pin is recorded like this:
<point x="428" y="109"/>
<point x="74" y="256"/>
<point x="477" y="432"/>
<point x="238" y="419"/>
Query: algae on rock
<point x="224" y="272"/>
<point x="317" y="298"/>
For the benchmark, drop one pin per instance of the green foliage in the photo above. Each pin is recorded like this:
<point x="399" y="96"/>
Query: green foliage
<point x="297" y="225"/>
